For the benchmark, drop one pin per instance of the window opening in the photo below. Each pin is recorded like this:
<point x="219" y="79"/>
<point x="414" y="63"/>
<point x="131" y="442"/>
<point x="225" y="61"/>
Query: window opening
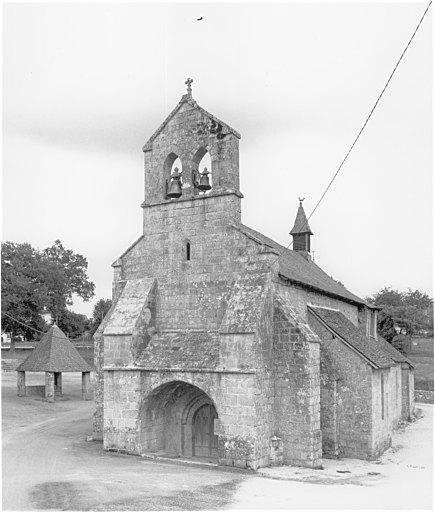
<point x="177" y="164"/>
<point x="188" y="251"/>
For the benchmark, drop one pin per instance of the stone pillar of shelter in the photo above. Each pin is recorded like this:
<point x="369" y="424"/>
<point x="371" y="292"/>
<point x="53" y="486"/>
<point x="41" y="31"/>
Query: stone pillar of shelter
<point x="49" y="386"/>
<point x="21" y="383"/>
<point x="86" y="386"/>
<point x="57" y="383"/>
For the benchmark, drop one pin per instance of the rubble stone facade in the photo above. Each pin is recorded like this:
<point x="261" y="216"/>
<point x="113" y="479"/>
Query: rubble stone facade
<point x="209" y="349"/>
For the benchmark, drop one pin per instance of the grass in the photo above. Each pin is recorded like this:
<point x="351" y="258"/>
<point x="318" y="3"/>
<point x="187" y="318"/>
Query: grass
<point x="422" y="356"/>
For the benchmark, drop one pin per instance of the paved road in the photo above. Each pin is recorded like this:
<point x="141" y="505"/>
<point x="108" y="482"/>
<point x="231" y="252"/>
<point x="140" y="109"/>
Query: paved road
<point x="49" y="465"/>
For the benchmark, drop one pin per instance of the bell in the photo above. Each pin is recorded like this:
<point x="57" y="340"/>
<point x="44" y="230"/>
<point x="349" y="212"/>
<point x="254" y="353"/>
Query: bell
<point x="175" y="185"/>
<point x="174" y="188"/>
<point x="204" y="182"/>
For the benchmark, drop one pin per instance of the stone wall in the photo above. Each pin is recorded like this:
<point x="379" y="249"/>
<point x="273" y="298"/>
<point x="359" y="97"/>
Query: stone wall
<point x="121" y="410"/>
<point x="408" y="398"/>
<point x="297" y="387"/>
<point x="382" y="411"/>
<point x="347" y="398"/>
<point x="424" y="397"/>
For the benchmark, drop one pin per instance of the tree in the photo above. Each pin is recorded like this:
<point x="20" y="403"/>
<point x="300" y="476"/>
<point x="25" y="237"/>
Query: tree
<point x="33" y="280"/>
<point x="73" y="324"/>
<point x="100" y="310"/>
<point x="402" y="314"/>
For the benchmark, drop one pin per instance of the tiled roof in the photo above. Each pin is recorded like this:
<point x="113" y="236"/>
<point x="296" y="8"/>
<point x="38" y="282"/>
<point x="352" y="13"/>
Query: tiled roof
<point x="54" y="353"/>
<point x="373" y="350"/>
<point x="301" y="222"/>
<point x="296" y="268"/>
<point x="181" y="350"/>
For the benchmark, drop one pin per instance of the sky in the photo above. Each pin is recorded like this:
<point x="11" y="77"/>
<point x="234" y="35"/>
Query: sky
<point x="86" y="85"/>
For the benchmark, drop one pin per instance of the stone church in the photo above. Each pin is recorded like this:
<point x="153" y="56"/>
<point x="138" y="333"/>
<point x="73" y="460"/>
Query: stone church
<point x="222" y="344"/>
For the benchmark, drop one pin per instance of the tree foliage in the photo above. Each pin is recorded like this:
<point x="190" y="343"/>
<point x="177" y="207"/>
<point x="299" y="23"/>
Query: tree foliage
<point x="33" y="280"/>
<point x="402" y="313"/>
<point x="100" y="310"/>
<point x="73" y="324"/>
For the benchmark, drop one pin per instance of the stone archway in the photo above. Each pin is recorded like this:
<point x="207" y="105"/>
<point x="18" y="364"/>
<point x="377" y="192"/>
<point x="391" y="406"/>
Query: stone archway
<point x="178" y="419"/>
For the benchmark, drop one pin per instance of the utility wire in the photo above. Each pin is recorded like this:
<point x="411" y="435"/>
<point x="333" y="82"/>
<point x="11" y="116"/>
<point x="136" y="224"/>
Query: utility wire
<point x="32" y="328"/>
<point x="364" y="125"/>
<point x="22" y="323"/>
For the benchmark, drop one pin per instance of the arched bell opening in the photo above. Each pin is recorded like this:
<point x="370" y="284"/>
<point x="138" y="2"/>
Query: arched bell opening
<point x="173" y="182"/>
<point x="202" y="172"/>
<point x="179" y="419"/>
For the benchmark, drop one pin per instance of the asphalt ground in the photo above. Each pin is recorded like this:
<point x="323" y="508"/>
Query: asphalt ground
<point x="48" y="464"/>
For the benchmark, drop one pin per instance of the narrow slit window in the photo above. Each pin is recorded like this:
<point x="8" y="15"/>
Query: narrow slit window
<point x="188" y="251"/>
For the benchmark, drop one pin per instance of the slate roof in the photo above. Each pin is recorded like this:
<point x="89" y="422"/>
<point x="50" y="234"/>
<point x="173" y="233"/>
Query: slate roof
<point x="297" y="269"/>
<point x="54" y="353"/>
<point x="376" y="351"/>
<point x="394" y="353"/>
<point x="181" y="350"/>
<point x="301" y="222"/>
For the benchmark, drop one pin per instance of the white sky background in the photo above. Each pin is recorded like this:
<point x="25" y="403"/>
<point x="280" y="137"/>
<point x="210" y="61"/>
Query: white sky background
<point x="86" y="85"/>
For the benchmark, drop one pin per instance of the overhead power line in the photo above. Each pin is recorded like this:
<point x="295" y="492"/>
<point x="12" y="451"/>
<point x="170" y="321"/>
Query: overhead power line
<point x="30" y="327"/>
<point x="363" y="127"/>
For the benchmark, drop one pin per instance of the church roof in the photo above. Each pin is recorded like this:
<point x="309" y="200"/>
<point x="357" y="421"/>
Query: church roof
<point x="378" y="351"/>
<point x="54" y="353"/>
<point x="295" y="268"/>
<point x="187" y="99"/>
<point x="301" y="222"/>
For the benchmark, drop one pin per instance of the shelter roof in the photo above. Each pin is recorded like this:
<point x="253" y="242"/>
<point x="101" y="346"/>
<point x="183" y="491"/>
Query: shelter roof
<point x="296" y="268"/>
<point x="370" y="348"/>
<point x="54" y="353"/>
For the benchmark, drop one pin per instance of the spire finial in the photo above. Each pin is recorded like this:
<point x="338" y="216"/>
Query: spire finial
<point x="189" y="82"/>
<point x="301" y="199"/>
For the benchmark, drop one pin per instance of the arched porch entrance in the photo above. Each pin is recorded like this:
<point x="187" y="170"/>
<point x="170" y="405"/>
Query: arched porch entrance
<point x="179" y="420"/>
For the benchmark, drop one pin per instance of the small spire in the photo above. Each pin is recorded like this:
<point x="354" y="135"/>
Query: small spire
<point x="189" y="82"/>
<point x="301" y="223"/>
<point x="301" y="233"/>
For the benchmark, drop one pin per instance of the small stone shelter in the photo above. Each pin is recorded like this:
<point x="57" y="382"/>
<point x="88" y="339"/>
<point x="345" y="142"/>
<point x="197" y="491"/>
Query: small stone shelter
<point x="54" y="355"/>
<point x="223" y="344"/>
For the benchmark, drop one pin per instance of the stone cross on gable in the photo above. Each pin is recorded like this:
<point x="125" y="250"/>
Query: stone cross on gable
<point x="189" y="82"/>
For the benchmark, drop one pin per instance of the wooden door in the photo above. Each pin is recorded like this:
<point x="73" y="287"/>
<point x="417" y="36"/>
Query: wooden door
<point x="205" y="442"/>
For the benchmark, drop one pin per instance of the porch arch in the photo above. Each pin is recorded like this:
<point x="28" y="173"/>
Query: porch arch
<point x="166" y="418"/>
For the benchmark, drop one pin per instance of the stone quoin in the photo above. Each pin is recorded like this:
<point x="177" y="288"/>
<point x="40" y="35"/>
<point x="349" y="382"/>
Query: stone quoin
<point x="223" y="345"/>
